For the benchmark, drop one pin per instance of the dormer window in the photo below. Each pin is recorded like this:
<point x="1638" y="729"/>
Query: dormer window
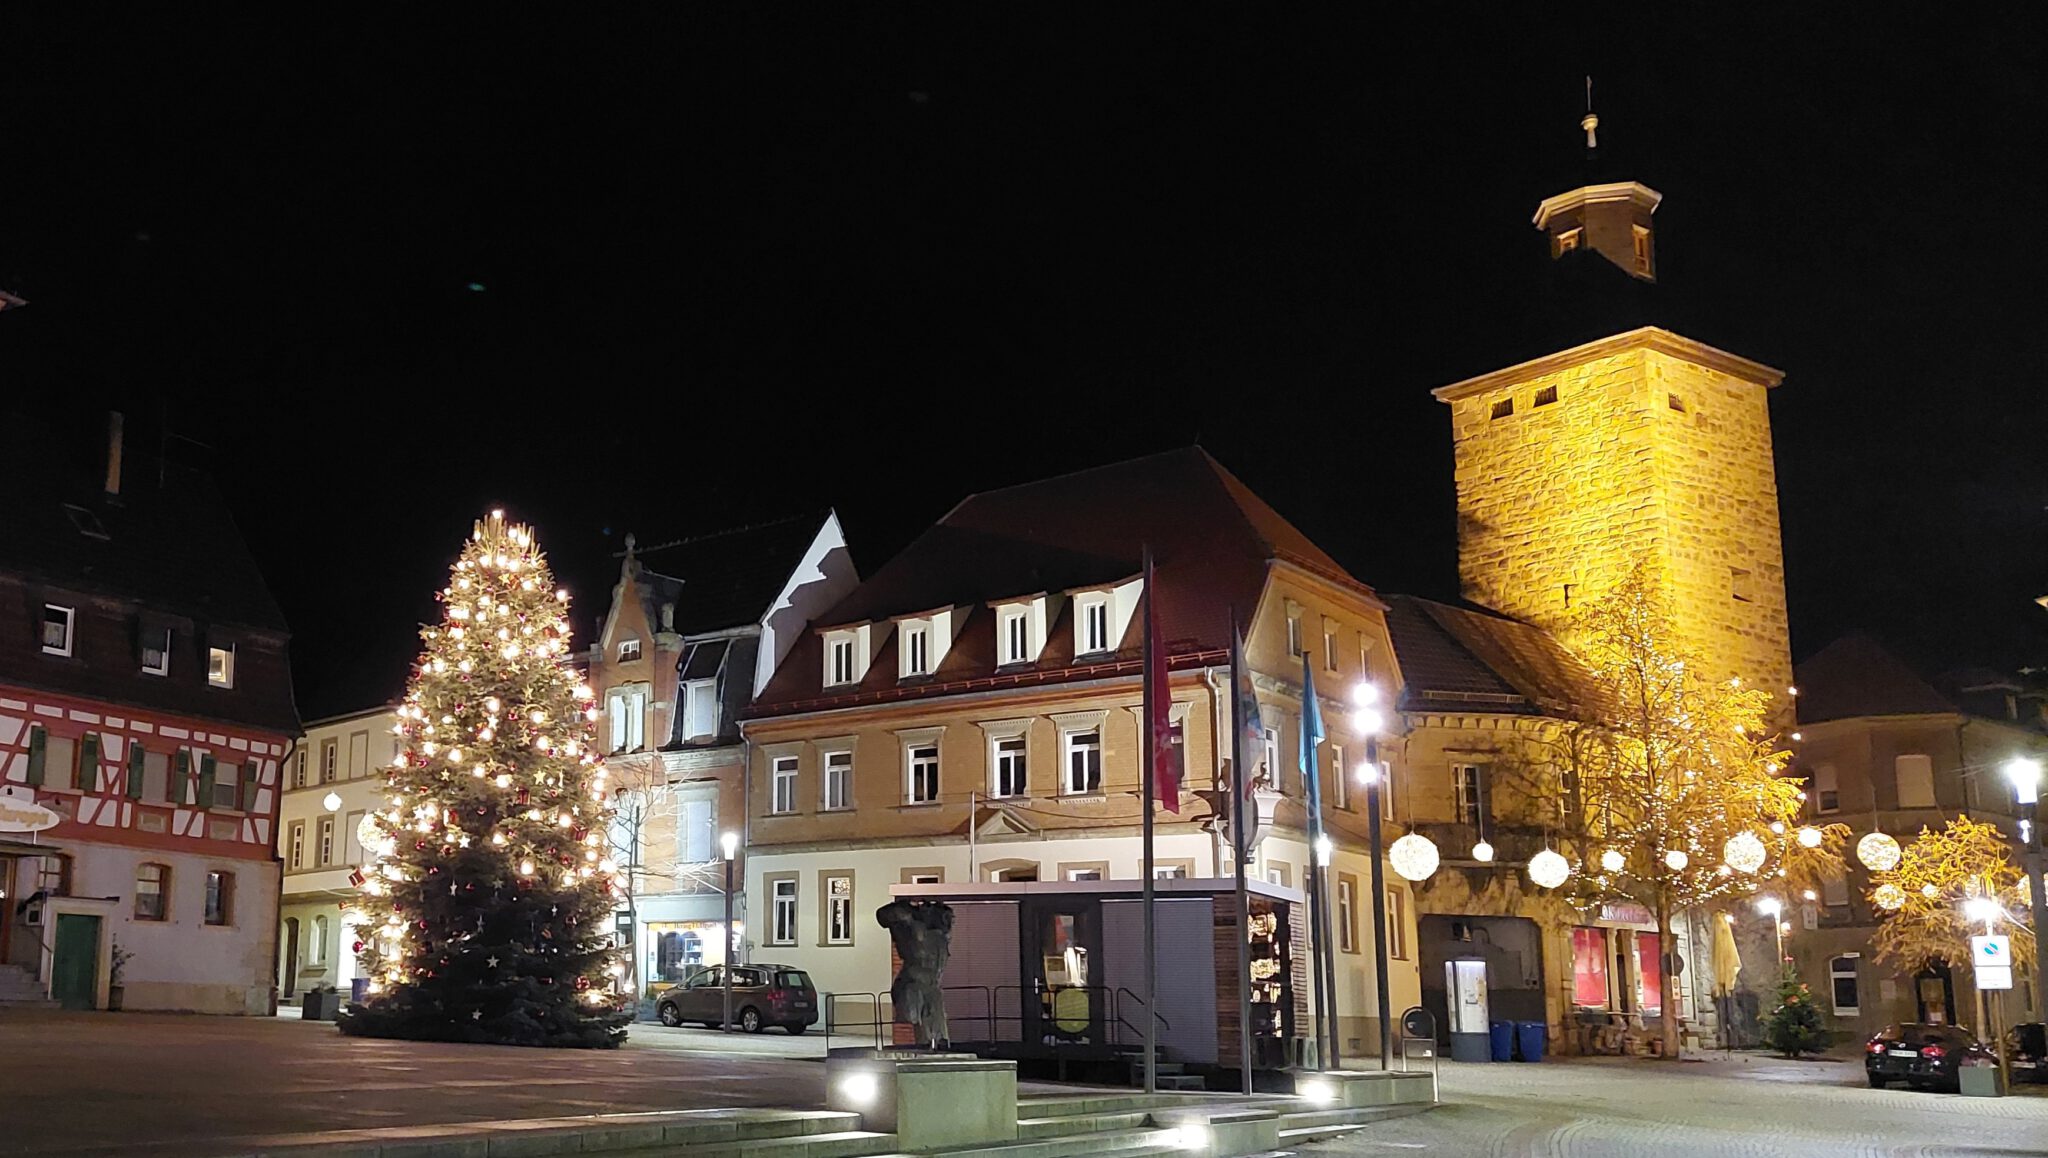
<point x="917" y="649"/>
<point x="1091" y="622"/>
<point x="1568" y="241"/>
<point x="1014" y="629"/>
<point x="1642" y="239"/>
<point x="220" y="666"/>
<point x="156" y="651"/>
<point x="629" y="650"/>
<point x="57" y="624"/>
<point x="846" y="656"/>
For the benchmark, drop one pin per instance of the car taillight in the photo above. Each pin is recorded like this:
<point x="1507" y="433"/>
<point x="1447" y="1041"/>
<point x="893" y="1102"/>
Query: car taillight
<point x="1875" y="1046"/>
<point x="1933" y="1051"/>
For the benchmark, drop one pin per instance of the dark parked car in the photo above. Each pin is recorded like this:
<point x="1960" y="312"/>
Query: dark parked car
<point x="2026" y="1048"/>
<point x="762" y="995"/>
<point x="1923" y="1056"/>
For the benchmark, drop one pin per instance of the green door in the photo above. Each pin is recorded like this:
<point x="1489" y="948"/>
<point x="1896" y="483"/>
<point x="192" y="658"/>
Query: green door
<point x="75" y="968"/>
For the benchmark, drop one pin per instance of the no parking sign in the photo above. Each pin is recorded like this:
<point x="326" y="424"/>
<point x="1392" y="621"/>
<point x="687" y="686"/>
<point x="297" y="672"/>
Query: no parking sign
<point x="1991" y="959"/>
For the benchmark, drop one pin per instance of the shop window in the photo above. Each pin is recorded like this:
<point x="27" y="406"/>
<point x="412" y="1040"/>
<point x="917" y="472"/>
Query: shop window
<point x="1589" y="968"/>
<point x="1649" y="975"/>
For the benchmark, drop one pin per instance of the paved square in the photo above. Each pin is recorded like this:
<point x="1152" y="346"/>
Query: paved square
<point x="1744" y="1105"/>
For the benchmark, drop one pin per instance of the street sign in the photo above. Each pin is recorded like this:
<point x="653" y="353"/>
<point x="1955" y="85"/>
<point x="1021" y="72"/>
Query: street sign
<point x="1995" y="952"/>
<point x="1993" y="976"/>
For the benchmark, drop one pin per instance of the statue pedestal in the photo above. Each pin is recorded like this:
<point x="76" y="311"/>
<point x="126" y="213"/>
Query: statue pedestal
<point x="928" y="1100"/>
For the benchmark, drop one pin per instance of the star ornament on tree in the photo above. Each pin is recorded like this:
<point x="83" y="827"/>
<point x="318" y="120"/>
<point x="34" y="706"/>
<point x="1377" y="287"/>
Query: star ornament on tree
<point x="492" y="704"/>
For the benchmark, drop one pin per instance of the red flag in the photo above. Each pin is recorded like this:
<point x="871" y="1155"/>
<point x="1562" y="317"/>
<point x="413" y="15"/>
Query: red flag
<point x="1159" y="704"/>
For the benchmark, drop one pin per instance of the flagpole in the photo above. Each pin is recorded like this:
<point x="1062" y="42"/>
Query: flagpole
<point x="1240" y="836"/>
<point x="1145" y="773"/>
<point x="1312" y="871"/>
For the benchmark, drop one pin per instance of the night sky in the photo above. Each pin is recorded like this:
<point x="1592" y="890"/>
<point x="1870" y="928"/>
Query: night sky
<point x="665" y="271"/>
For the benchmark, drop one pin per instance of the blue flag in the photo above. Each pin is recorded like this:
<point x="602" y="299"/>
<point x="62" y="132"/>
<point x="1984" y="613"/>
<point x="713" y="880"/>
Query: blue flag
<point x="1311" y="738"/>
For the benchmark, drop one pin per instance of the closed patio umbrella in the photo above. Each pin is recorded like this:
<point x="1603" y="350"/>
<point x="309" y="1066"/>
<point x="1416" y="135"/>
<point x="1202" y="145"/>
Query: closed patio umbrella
<point x="1727" y="958"/>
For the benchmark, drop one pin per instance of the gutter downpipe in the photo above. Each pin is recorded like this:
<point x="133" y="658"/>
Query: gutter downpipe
<point x="1215" y="761"/>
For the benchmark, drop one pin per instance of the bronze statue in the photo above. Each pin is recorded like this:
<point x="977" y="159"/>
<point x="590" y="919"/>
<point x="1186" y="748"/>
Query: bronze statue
<point x="923" y="933"/>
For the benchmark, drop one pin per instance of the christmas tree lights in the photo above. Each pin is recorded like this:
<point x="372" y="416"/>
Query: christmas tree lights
<point x="484" y="914"/>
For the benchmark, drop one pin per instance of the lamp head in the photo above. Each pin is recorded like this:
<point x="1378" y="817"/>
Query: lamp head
<point x="2024" y="772"/>
<point x="1770" y="906"/>
<point x="1983" y="909"/>
<point x="1324" y="847"/>
<point x="730" y="842"/>
<point x="1368" y="721"/>
<point x="1365" y="694"/>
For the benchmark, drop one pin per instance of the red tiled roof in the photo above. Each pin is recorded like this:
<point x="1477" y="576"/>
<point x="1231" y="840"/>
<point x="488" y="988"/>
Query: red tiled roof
<point x="1212" y="540"/>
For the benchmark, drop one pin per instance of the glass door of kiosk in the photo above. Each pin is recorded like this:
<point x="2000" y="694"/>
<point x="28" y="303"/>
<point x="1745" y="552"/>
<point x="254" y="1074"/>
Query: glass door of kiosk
<point x="1062" y="992"/>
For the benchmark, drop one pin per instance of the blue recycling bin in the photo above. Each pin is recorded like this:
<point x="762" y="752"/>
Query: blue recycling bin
<point x="1503" y="1035"/>
<point x="357" y="990"/>
<point x="1532" y="1036"/>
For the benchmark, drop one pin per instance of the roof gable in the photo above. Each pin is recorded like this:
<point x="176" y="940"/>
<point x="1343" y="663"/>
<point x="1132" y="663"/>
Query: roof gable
<point x="1856" y="676"/>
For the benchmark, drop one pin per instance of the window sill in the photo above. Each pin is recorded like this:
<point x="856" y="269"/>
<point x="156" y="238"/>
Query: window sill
<point x="839" y="808"/>
<point x="910" y="805"/>
<point x="1081" y="796"/>
<point x="791" y="813"/>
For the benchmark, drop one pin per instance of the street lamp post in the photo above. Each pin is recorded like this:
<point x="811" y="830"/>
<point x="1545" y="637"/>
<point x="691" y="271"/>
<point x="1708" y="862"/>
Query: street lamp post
<point x="2024" y="772"/>
<point x="1367" y="721"/>
<point x="730" y="843"/>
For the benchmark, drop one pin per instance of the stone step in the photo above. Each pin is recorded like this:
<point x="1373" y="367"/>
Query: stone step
<point x="1138" y="1143"/>
<point x="1101" y="1102"/>
<point x="1060" y="1125"/>
<point x="834" y="1144"/>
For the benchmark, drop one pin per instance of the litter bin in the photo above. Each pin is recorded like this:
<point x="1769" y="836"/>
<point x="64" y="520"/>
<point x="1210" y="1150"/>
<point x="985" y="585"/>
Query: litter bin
<point x="1980" y="1081"/>
<point x="317" y="1005"/>
<point x="1503" y="1035"/>
<point x="1532" y="1036"/>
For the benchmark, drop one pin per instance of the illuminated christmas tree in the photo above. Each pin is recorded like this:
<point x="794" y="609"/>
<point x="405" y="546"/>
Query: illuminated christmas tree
<point x="487" y="907"/>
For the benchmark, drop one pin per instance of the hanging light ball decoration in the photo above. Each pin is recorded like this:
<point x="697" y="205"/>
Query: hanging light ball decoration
<point x="1878" y="852"/>
<point x="1676" y="860"/>
<point x="1929" y="891"/>
<point x="1809" y="836"/>
<point x="1548" y="869"/>
<point x="1613" y="861"/>
<point x="1889" y="897"/>
<point x="1744" y="852"/>
<point x="1482" y="852"/>
<point x="1413" y="856"/>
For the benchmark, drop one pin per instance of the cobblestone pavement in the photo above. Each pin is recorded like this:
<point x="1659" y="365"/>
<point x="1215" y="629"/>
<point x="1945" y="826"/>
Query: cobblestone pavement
<point x="1748" y="1106"/>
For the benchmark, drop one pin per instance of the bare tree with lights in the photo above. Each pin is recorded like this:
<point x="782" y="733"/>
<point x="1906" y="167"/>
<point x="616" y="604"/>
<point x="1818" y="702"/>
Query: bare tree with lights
<point x="1945" y="887"/>
<point x="488" y="904"/>
<point x="1668" y="789"/>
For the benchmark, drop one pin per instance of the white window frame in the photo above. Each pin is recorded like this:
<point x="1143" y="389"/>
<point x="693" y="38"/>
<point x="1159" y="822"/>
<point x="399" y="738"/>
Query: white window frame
<point x="1294" y="635"/>
<point x="1092" y="613"/>
<point x="835" y="776"/>
<point x="318" y="956"/>
<point x="926" y="878"/>
<point x="700" y="697"/>
<point x="782" y="778"/>
<point x="1347" y="904"/>
<point x="1386" y="783"/>
<point x="1835" y="973"/>
<point x="220" y="674"/>
<point x="1271" y="755"/>
<point x="918" y="757"/>
<point x="163" y="665"/>
<point x="626" y="715"/>
<point x="838" y="911"/>
<point x="299" y="768"/>
<point x="1330" y="634"/>
<point x="70" y="630"/>
<point x="1339" y="782"/>
<point x="330" y="760"/>
<point x="842" y="659"/>
<point x="629" y="649"/>
<point x="1397" y="923"/>
<point x="1468" y="779"/>
<point x="1015" y="752"/>
<point x="1069" y="749"/>
<point x="1013" y="635"/>
<point x="782" y="912"/>
<point x="298" y="845"/>
<point x="324" y="848"/>
<point x="914" y="649"/>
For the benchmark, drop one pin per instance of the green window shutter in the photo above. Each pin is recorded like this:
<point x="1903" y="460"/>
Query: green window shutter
<point x="180" y="776"/>
<point x="134" y="770"/>
<point x="206" y="781"/>
<point x="249" y="770"/>
<point x="86" y="776"/>
<point x="37" y="740"/>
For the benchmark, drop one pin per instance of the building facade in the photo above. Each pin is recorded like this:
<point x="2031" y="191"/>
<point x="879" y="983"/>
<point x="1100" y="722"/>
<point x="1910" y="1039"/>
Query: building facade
<point x="694" y="629"/>
<point x="970" y="715"/>
<point x="335" y="776"/>
<point x="145" y="710"/>
<point x="1884" y="750"/>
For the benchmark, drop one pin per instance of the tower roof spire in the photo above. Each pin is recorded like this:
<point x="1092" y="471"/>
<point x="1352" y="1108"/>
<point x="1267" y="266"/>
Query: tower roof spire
<point x="1591" y="121"/>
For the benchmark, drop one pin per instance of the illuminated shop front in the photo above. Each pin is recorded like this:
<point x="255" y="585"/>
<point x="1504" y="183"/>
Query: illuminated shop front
<point x="669" y="951"/>
<point x="1617" y="975"/>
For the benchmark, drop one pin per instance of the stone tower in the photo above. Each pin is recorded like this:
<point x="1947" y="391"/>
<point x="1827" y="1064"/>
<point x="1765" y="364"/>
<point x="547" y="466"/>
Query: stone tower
<point x="1638" y="444"/>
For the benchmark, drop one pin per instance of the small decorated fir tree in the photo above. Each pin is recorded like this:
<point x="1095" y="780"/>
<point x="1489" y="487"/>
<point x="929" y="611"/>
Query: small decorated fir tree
<point x="487" y="907"/>
<point x="1794" y="1027"/>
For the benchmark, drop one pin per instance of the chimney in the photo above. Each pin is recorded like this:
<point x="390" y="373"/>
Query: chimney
<point x="114" y="455"/>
